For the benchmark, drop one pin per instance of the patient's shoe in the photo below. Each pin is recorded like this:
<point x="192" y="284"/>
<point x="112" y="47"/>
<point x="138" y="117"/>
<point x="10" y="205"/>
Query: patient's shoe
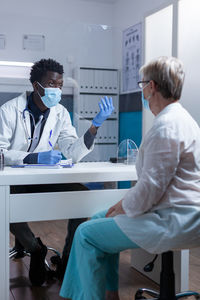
<point x="37" y="271"/>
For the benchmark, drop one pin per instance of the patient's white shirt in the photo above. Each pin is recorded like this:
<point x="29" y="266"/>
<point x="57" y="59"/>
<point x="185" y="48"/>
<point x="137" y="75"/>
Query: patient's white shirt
<point x="163" y="208"/>
<point x="168" y="164"/>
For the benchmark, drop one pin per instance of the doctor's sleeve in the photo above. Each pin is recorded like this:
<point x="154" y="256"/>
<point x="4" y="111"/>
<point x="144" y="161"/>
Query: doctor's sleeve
<point x="6" y="130"/>
<point x="160" y="161"/>
<point x="89" y="139"/>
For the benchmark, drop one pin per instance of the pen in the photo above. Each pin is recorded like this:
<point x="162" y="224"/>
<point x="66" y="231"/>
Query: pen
<point x="50" y="134"/>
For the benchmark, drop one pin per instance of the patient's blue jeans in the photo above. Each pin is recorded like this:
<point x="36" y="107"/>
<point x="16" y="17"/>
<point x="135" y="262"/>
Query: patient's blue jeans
<point x="94" y="258"/>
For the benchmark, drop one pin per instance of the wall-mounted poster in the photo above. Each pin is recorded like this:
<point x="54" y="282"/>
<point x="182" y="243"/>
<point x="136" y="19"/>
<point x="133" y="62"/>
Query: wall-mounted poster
<point x="132" y="57"/>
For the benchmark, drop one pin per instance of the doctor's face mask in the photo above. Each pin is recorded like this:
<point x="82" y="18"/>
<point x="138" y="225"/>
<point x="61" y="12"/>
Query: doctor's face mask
<point x="52" y="96"/>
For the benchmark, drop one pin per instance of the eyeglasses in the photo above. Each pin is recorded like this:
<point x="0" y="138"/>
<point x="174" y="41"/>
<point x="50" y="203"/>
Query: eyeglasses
<point x="141" y="83"/>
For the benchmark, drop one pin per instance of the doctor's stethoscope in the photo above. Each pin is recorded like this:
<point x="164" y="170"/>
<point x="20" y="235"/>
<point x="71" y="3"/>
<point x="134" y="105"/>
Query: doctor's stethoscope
<point x="29" y="138"/>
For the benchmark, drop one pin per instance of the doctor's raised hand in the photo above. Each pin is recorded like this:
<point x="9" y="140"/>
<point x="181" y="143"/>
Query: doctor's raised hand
<point x="106" y="109"/>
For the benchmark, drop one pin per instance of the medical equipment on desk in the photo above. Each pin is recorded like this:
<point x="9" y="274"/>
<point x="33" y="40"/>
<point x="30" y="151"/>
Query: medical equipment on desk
<point x="127" y="152"/>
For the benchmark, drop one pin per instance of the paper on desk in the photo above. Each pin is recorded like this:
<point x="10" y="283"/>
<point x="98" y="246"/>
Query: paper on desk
<point x="67" y="163"/>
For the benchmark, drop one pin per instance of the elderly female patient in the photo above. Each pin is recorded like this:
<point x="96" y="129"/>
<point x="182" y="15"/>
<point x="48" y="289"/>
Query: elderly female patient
<point x="162" y="211"/>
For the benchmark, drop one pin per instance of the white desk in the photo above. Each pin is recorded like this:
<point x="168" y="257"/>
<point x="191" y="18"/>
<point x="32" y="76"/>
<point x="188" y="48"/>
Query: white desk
<point x="52" y="206"/>
<point x="64" y="205"/>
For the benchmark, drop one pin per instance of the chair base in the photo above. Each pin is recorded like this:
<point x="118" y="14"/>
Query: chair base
<point x="167" y="283"/>
<point x="15" y="253"/>
<point x="156" y="295"/>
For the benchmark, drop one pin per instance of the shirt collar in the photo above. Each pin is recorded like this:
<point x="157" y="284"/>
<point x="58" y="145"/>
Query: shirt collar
<point x="167" y="108"/>
<point x="35" y="110"/>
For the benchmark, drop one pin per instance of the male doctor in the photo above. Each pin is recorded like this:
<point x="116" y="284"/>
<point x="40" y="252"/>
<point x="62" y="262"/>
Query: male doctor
<point x="30" y="127"/>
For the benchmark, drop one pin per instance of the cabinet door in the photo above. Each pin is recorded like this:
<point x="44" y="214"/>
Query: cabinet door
<point x="86" y="80"/>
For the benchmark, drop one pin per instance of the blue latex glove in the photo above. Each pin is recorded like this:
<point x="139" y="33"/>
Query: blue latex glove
<point x="106" y="109"/>
<point x="49" y="157"/>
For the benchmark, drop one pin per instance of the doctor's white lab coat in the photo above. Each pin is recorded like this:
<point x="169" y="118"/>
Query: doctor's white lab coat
<point x="15" y="130"/>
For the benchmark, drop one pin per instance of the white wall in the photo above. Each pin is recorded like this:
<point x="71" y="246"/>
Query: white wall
<point x="188" y="41"/>
<point x="156" y="45"/>
<point x="188" y="52"/>
<point x="128" y="13"/>
<point x="71" y="29"/>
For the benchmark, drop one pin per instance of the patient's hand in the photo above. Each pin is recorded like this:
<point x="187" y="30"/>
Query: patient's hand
<point x="115" y="210"/>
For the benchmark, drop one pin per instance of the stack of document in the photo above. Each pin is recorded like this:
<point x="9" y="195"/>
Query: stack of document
<point x="66" y="163"/>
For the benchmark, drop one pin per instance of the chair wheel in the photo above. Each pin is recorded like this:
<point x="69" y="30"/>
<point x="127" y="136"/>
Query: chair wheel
<point x="19" y="254"/>
<point x="138" y="295"/>
<point x="50" y="274"/>
<point x="55" y="260"/>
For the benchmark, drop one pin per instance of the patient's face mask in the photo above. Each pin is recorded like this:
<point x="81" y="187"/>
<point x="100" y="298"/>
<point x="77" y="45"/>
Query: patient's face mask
<point x="52" y="96"/>
<point x="145" y="102"/>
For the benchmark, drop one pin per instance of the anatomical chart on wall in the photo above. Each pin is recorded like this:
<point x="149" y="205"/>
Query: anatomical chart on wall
<point x="132" y="57"/>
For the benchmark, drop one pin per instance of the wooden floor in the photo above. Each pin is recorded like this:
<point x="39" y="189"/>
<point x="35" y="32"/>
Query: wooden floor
<point x="53" y="234"/>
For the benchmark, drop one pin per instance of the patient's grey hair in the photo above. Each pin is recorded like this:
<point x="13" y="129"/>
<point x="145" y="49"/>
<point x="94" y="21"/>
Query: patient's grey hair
<point x="167" y="73"/>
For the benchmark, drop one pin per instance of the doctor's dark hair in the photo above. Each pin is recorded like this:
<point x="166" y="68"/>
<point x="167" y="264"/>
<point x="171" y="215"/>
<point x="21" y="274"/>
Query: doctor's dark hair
<point x="168" y="75"/>
<point x="40" y="69"/>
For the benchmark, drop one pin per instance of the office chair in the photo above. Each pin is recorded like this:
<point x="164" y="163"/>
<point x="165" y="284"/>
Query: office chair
<point x="16" y="252"/>
<point x="167" y="282"/>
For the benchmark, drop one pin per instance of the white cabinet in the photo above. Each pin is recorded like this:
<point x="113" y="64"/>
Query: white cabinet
<point x="95" y="83"/>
